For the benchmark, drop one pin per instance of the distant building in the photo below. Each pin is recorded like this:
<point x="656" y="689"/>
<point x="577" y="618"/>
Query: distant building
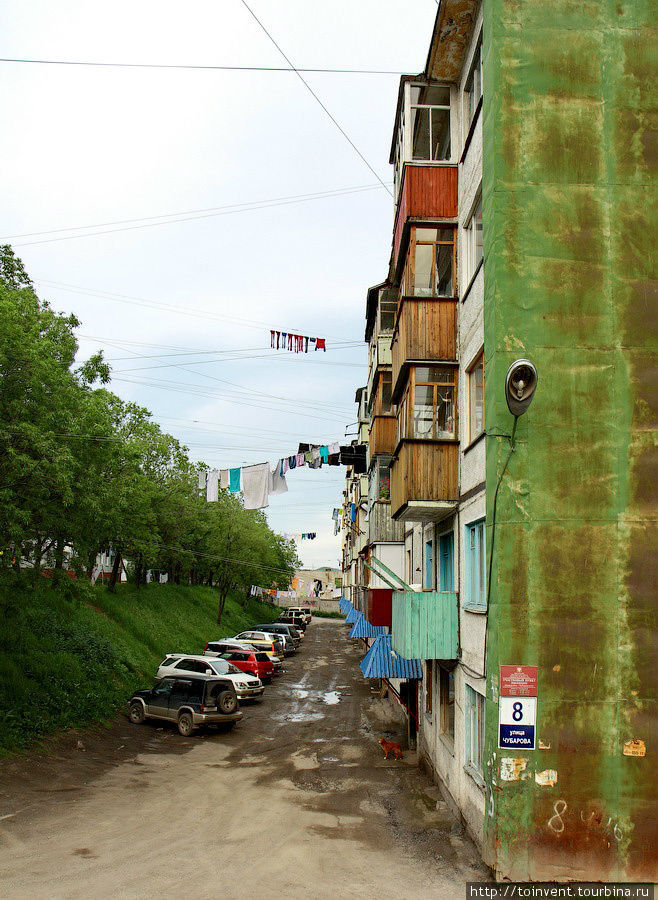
<point x="521" y="229"/>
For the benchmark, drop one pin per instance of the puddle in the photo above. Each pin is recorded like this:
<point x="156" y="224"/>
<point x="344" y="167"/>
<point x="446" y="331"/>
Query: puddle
<point x="331" y="698"/>
<point x="329" y="759"/>
<point x="299" y="694"/>
<point x="300" y="717"/>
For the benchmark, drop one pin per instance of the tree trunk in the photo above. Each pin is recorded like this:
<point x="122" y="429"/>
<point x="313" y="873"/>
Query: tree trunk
<point x="138" y="571"/>
<point x="116" y="568"/>
<point x="59" y="553"/>
<point x="220" y="609"/>
<point x="210" y="579"/>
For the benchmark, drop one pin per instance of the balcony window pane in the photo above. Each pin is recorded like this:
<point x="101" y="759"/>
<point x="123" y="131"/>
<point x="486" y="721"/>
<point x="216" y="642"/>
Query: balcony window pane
<point x="426" y="234"/>
<point x="423" y="411"/>
<point x="445" y="411"/>
<point x="386" y="392"/>
<point x="476" y="399"/>
<point x="435" y="96"/>
<point x="423" y="274"/>
<point x="435" y="375"/>
<point x="440" y="133"/>
<point x="444" y="281"/>
<point x="420" y="129"/>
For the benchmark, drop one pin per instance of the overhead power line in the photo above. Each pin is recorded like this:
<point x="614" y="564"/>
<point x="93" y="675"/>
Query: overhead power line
<point x="316" y="98"/>
<point x="193" y="67"/>
<point x="174" y="218"/>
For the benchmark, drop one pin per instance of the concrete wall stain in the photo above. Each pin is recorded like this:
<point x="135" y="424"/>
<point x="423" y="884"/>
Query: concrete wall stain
<point x="570" y="135"/>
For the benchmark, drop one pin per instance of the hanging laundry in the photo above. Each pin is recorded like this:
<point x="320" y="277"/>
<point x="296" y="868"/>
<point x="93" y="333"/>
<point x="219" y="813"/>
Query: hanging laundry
<point x="212" y="485"/>
<point x="353" y="512"/>
<point x="284" y="338"/>
<point x="272" y="338"/>
<point x="300" y="459"/>
<point x="334" y="459"/>
<point x="292" y="461"/>
<point x="224" y="479"/>
<point x="324" y="453"/>
<point x="285" y="465"/>
<point x="305" y="345"/>
<point x="321" y="344"/>
<point x="308" y="456"/>
<point x="278" y="483"/>
<point x="202" y="481"/>
<point x="234" y="478"/>
<point x="290" y="342"/>
<point x="255" y="486"/>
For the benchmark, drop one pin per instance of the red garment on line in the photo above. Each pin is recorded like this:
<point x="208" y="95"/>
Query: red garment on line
<point x="321" y="344"/>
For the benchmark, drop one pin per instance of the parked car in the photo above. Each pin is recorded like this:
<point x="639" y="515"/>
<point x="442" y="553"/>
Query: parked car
<point x="216" y="648"/>
<point x="300" y="612"/>
<point x="282" y="628"/>
<point x="191" y="702"/>
<point x="247" y="687"/>
<point x="290" y="646"/>
<point x="254" y="662"/>
<point x="293" y="620"/>
<point x="262" y="641"/>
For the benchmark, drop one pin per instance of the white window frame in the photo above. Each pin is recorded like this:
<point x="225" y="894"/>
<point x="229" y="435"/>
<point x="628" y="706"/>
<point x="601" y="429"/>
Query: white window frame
<point x="473" y="243"/>
<point x="475" y="77"/>
<point x="474" y="733"/>
<point x="471" y="387"/>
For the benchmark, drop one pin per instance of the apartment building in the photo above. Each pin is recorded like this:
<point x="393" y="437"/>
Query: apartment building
<point x="522" y="230"/>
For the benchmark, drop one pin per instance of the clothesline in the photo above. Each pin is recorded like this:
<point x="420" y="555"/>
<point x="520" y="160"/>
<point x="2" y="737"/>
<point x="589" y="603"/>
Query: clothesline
<point x="286" y="340"/>
<point x="256" y="483"/>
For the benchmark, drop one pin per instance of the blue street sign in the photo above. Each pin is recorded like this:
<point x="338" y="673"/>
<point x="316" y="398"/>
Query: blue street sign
<point x="519" y="737"/>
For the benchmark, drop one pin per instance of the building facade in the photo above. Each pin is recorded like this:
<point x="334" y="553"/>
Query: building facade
<point x="522" y="229"/>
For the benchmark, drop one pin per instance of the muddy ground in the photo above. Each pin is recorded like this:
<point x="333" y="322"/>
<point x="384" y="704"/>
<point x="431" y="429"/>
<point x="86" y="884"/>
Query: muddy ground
<point x="296" y="801"/>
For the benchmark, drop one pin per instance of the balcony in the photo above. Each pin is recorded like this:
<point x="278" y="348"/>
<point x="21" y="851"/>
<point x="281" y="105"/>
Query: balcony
<point x="382" y="529"/>
<point x="379" y="604"/>
<point x="428" y="193"/>
<point x="426" y="330"/>
<point x="424" y="480"/>
<point x="425" y="624"/>
<point x="382" y="435"/>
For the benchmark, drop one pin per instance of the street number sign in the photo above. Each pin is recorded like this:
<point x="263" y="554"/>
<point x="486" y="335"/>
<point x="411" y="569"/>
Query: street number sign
<point x="517" y="707"/>
<point x="517" y="718"/>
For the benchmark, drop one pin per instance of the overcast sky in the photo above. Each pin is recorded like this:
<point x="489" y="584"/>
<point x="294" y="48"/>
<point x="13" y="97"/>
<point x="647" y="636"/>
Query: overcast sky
<point x="89" y="146"/>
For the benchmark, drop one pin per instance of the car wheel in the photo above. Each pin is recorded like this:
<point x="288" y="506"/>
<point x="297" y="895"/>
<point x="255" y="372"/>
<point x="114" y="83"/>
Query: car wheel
<point x="136" y="713"/>
<point x="227" y="702"/>
<point x="185" y="724"/>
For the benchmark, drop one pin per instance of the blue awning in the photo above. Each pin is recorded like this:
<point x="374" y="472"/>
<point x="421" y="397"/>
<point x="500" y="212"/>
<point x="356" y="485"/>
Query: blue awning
<point x="345" y="606"/>
<point x="363" y="628"/>
<point x="353" y="615"/>
<point x="381" y="661"/>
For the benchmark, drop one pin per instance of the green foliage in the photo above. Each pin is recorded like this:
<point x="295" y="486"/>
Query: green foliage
<point x="72" y="657"/>
<point x="82" y="472"/>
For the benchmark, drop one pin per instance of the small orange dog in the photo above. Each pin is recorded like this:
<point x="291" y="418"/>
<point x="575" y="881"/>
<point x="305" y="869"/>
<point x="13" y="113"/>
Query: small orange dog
<point x="391" y="747"/>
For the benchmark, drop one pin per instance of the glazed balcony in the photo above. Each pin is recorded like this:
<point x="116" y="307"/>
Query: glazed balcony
<point x="382" y="435"/>
<point x="426" y="330"/>
<point x="424" y="480"/>
<point x="427" y="193"/>
<point x="382" y="529"/>
<point x="425" y="624"/>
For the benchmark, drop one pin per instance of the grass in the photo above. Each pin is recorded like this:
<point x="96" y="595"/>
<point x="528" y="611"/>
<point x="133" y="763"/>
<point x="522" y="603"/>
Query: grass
<point x="71" y="656"/>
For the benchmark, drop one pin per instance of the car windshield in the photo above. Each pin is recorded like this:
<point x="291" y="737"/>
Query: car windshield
<point x="220" y="666"/>
<point x="233" y="670"/>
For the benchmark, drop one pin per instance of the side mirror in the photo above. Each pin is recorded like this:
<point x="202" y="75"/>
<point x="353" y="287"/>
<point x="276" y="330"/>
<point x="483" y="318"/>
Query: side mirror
<point x="520" y="386"/>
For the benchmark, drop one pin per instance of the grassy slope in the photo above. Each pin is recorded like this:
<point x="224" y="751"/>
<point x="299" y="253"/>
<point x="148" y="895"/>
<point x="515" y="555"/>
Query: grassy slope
<point x="70" y="660"/>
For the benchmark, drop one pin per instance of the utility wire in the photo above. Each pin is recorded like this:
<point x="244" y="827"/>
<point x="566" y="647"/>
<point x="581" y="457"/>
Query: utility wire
<point x="169" y="307"/>
<point x="70" y="237"/>
<point x="316" y="98"/>
<point x="212" y="210"/>
<point x="119" y="65"/>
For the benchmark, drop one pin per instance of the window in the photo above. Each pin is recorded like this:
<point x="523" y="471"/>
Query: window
<point x="446" y="562"/>
<point x="387" y="313"/>
<point x="428" y="407"/>
<point x="473" y="87"/>
<point x="447" y="703"/>
<point x="380" y="479"/>
<point x="475" y="377"/>
<point x="476" y="589"/>
<point x="429" y="678"/>
<point x="474" y="730"/>
<point x="430" y="267"/>
<point x="423" y="131"/>
<point x="430" y="122"/>
<point x="382" y="405"/>
<point x="429" y="565"/>
<point x="473" y="244"/>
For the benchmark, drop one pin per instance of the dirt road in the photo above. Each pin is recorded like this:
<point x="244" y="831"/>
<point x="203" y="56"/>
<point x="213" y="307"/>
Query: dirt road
<point x="297" y="801"/>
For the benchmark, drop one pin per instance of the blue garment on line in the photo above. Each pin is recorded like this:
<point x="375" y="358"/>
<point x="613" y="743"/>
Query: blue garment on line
<point x="324" y="453"/>
<point x="234" y="480"/>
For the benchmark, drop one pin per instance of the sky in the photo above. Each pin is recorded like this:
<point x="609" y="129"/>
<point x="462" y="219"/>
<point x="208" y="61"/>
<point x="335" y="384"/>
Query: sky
<point x="182" y="214"/>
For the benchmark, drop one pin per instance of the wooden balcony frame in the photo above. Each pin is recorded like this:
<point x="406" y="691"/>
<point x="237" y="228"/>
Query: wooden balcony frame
<point x="425" y="333"/>
<point x="424" y="482"/>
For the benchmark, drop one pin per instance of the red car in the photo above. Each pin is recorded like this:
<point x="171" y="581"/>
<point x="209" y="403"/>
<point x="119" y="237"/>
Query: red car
<point x="254" y="662"/>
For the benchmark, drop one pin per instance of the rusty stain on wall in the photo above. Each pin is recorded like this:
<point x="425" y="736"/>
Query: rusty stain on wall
<point x="569" y="168"/>
<point x="512" y="769"/>
<point x="635" y="748"/>
<point x="547" y="778"/>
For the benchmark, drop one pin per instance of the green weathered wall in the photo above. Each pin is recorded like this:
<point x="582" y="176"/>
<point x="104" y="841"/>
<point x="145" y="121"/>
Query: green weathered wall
<point x="570" y="258"/>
